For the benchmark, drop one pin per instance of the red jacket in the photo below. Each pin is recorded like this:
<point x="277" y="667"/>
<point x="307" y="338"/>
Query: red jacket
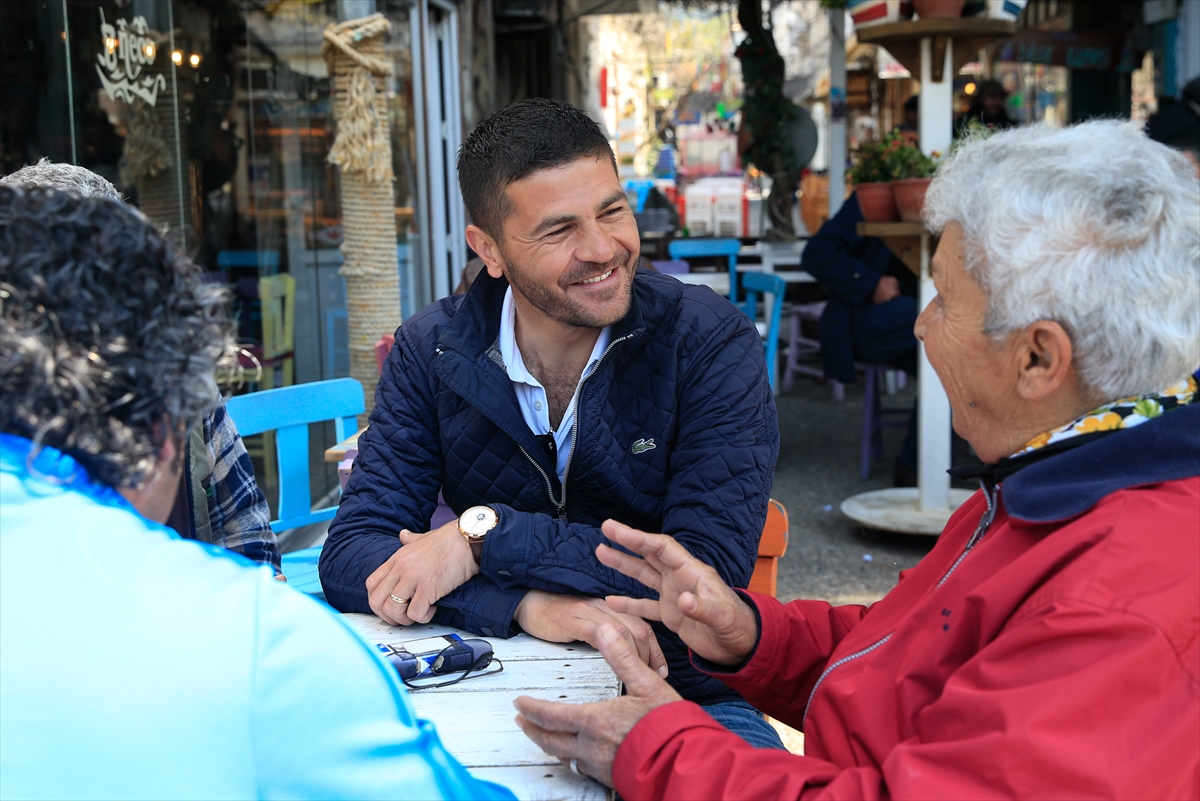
<point x="1053" y="653"/>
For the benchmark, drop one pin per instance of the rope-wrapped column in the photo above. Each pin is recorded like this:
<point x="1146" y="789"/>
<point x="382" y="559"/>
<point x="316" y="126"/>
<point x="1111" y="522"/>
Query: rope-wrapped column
<point x="362" y="148"/>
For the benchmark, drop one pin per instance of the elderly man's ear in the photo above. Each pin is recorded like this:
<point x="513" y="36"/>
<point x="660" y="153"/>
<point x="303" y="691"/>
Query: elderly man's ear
<point x="1046" y="364"/>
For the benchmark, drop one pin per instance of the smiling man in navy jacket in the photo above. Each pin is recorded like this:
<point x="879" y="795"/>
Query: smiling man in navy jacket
<point x="565" y="388"/>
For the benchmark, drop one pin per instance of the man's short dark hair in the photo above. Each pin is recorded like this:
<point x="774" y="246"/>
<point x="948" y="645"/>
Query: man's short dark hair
<point x="991" y="88"/>
<point x="518" y="140"/>
<point x="108" y="341"/>
<point x="79" y="181"/>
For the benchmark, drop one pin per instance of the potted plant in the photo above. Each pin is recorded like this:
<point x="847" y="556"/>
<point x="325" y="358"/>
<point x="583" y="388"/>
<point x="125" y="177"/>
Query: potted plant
<point x="912" y="172"/>
<point x="871" y="176"/>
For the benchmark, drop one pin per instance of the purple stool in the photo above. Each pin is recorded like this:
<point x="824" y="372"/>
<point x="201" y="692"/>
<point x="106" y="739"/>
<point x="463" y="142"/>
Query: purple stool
<point x="800" y="345"/>
<point x="875" y="417"/>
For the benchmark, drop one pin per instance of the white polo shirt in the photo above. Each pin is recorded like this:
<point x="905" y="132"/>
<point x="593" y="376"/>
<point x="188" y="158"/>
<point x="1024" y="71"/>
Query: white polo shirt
<point x="531" y="395"/>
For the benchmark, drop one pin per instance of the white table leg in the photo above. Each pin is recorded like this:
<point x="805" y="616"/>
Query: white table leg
<point x="933" y="415"/>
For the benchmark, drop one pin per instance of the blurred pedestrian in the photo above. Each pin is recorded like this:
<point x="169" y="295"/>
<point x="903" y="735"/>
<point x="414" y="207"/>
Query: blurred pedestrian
<point x="988" y="107"/>
<point x="1178" y="125"/>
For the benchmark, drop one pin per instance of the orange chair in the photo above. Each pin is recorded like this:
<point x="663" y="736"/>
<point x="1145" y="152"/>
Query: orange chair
<point x="772" y="546"/>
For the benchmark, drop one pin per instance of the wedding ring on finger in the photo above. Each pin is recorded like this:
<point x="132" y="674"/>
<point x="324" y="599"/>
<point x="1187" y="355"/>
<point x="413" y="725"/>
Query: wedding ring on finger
<point x="574" y="766"/>
<point x="401" y="601"/>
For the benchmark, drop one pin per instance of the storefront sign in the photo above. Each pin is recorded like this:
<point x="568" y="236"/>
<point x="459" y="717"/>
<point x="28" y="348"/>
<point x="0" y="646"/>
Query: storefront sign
<point x="1077" y="50"/>
<point x="124" y="50"/>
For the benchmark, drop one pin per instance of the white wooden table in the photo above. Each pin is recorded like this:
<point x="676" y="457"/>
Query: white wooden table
<point x="475" y="718"/>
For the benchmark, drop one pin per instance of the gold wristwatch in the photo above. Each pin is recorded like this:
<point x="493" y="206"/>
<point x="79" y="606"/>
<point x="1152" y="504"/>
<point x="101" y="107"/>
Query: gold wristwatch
<point x="474" y="524"/>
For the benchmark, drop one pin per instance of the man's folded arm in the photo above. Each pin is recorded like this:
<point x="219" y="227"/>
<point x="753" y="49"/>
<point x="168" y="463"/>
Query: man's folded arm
<point x="716" y="503"/>
<point x="395" y="482"/>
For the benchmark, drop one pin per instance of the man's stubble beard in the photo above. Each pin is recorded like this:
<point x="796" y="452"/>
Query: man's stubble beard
<point x="554" y="302"/>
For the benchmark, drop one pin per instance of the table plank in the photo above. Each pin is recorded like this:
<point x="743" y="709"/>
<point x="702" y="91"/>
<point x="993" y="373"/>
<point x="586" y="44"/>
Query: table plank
<point x="338" y="452"/>
<point x="545" y="783"/>
<point x="480" y="729"/>
<point x="523" y="675"/>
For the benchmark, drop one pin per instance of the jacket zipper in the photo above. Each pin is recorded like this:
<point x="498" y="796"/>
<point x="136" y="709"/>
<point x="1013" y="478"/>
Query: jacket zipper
<point x="838" y="664"/>
<point x="562" y="507"/>
<point x="984" y="523"/>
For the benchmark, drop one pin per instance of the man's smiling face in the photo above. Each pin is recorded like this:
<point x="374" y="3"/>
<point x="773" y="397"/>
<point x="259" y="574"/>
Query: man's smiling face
<point x="570" y="246"/>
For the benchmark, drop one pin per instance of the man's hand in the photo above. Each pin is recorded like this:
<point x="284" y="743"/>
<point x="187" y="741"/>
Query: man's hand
<point x="424" y="570"/>
<point x="567" y="618"/>
<point x="693" y="601"/>
<point x="887" y="288"/>
<point x="591" y="733"/>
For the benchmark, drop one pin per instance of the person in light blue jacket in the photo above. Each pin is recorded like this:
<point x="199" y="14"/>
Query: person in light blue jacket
<point x="133" y="663"/>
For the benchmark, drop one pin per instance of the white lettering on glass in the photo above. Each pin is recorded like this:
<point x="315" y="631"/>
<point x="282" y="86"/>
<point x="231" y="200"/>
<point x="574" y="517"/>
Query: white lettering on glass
<point x="124" y="50"/>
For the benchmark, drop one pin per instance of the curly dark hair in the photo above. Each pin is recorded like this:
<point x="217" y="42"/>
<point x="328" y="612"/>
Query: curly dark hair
<point x="516" y="141"/>
<point x="108" y="340"/>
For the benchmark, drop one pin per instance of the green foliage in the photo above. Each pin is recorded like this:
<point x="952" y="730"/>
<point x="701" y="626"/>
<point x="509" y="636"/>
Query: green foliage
<point x="834" y="3"/>
<point x="870" y="160"/>
<point x="889" y="159"/>
<point x="909" y="162"/>
<point x="765" y="110"/>
<point x="972" y="131"/>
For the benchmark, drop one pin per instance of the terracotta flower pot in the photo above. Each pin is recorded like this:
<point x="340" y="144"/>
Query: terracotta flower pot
<point x="938" y="9"/>
<point x="910" y="197"/>
<point x="875" y="200"/>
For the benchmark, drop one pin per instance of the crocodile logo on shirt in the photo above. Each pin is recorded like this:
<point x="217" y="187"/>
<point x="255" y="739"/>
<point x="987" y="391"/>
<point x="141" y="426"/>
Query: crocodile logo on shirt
<point x="643" y="445"/>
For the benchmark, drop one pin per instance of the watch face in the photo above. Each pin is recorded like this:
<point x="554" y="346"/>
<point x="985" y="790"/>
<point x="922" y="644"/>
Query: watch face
<point x="477" y="521"/>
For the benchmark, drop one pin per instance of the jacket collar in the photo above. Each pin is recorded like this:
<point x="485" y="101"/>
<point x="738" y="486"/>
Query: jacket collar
<point x="466" y="365"/>
<point x="51" y="467"/>
<point x="475" y="327"/>
<point x="1067" y="483"/>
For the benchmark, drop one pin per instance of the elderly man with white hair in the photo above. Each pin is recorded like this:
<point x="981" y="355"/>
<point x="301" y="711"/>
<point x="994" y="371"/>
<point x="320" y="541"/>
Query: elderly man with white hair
<point x="1049" y="645"/>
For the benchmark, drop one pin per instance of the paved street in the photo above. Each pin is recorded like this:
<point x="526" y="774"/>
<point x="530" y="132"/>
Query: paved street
<point x="818" y="468"/>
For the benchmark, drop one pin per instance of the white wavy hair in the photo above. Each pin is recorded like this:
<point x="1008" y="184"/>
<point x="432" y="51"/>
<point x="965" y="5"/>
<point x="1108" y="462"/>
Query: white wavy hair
<point x="1095" y="227"/>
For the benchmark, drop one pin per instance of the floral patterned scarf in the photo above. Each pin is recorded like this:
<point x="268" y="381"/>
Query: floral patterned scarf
<point x="1124" y="413"/>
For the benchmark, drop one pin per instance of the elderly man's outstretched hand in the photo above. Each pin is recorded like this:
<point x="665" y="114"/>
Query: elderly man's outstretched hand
<point x="592" y="733"/>
<point x="693" y="601"/>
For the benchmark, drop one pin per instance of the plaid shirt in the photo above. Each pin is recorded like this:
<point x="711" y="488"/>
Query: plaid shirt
<point x="237" y="510"/>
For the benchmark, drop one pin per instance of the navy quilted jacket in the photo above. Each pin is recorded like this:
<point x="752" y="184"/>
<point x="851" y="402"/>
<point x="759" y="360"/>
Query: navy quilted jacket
<point x="684" y="373"/>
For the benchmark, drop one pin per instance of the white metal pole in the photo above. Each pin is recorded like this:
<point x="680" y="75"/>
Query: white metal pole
<point x="934" y="413"/>
<point x="936" y="105"/>
<point x="837" y="109"/>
